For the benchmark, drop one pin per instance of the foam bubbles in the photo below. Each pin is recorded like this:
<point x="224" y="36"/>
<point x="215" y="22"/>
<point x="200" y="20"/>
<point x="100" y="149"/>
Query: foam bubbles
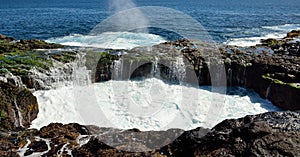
<point x="265" y="32"/>
<point x="252" y="41"/>
<point x="61" y="105"/>
<point x="110" y="40"/>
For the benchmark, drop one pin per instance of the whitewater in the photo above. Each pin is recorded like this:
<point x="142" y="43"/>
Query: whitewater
<point x="266" y="32"/>
<point x="149" y="104"/>
<point x="129" y="40"/>
<point x="108" y="104"/>
<point x="110" y="40"/>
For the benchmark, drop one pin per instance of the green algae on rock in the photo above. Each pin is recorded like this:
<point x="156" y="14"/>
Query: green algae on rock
<point x="19" y="57"/>
<point x="11" y="45"/>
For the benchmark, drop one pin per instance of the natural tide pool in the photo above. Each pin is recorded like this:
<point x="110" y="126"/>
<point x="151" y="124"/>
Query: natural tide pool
<point x="150" y="104"/>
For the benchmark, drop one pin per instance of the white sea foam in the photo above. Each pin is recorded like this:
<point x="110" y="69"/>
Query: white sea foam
<point x="285" y="27"/>
<point x="251" y="41"/>
<point x="276" y="32"/>
<point x="157" y="105"/>
<point x="113" y="40"/>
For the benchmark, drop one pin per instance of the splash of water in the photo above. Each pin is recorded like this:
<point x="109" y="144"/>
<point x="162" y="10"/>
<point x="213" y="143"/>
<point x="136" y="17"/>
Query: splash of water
<point x="268" y="91"/>
<point x="81" y="75"/>
<point x="119" y="5"/>
<point x="18" y="122"/>
<point x="230" y="76"/>
<point x="117" y="68"/>
<point x="136" y="18"/>
<point x="9" y="77"/>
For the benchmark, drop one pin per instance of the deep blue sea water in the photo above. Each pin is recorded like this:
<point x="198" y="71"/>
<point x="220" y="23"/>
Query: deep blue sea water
<point x="239" y="22"/>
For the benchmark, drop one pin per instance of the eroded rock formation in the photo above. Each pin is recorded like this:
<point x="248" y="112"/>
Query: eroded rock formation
<point x="269" y="134"/>
<point x="272" y="70"/>
<point x="18" y="107"/>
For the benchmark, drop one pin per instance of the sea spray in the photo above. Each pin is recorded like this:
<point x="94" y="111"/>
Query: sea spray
<point x="9" y="77"/>
<point x="229" y="72"/>
<point x="180" y="68"/>
<point x="119" y="5"/>
<point x="117" y="69"/>
<point x="58" y="75"/>
<point x="136" y="17"/>
<point x="81" y="75"/>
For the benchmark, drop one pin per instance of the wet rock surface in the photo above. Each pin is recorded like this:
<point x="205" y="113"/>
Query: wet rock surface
<point x="31" y="63"/>
<point x="9" y="44"/>
<point x="272" y="69"/>
<point x="269" y="134"/>
<point x="18" y="107"/>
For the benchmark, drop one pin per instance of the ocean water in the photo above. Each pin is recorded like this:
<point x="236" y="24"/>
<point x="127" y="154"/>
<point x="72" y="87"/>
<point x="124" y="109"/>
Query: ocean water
<point x="157" y="105"/>
<point x="235" y="22"/>
<point x="147" y="105"/>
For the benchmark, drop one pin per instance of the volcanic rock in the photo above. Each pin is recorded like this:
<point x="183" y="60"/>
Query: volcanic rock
<point x="18" y="107"/>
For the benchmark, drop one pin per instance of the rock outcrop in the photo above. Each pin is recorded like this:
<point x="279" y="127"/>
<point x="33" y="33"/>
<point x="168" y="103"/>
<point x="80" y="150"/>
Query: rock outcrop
<point x="268" y="134"/>
<point x="271" y="69"/>
<point x="9" y="44"/>
<point x="18" y="107"/>
<point x="293" y="34"/>
<point x="23" y="65"/>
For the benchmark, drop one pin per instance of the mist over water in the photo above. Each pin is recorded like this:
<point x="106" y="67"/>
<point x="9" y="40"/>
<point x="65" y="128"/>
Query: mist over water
<point x="135" y="18"/>
<point x="126" y="28"/>
<point x="119" y="5"/>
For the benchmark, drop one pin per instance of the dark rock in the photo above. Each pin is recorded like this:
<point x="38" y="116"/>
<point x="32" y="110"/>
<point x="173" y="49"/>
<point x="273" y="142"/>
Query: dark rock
<point x="31" y="83"/>
<point x="70" y="131"/>
<point x="9" y="39"/>
<point x="244" y="67"/>
<point x="293" y="34"/>
<point x="36" y="146"/>
<point x="271" y="42"/>
<point x="284" y="96"/>
<point x="7" y="149"/>
<point x="18" y="107"/>
<point x="185" y="144"/>
<point x="267" y="134"/>
<point x="103" y="69"/>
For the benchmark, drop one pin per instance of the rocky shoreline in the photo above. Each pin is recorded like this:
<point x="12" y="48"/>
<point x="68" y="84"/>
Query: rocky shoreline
<point x="272" y="69"/>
